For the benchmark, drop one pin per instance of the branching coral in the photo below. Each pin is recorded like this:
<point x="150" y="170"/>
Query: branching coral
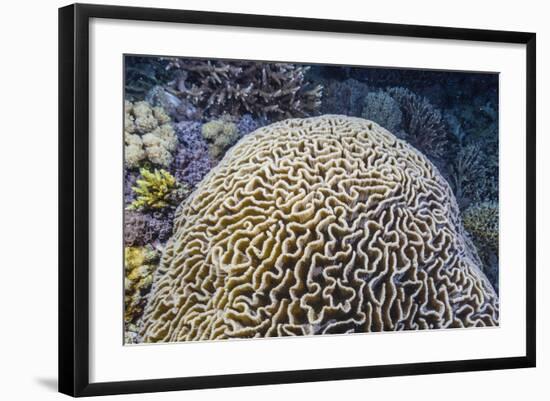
<point x="382" y="109"/>
<point x="157" y="189"/>
<point x="471" y="177"/>
<point x="148" y="135"/>
<point x="139" y="265"/>
<point x="275" y="90"/>
<point x="475" y="164"/>
<point x="316" y="226"/>
<point x="220" y="135"/>
<point x="465" y="171"/>
<point x="423" y="124"/>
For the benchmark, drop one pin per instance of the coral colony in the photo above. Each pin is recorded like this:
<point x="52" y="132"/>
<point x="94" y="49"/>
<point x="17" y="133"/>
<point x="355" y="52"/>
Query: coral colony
<point x="279" y="199"/>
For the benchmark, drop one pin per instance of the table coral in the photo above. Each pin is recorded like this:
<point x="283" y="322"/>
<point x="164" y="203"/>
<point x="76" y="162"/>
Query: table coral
<point x="148" y="135"/>
<point x="316" y="226"/>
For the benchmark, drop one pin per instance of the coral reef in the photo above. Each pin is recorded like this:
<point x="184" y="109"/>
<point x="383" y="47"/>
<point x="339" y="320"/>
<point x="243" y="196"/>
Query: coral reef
<point x="481" y="221"/>
<point x="148" y="135"/>
<point x="221" y="135"/>
<point x="423" y="125"/>
<point x="157" y="189"/>
<point x="276" y="90"/>
<point x="139" y="265"/>
<point x="382" y="109"/>
<point x="145" y="228"/>
<point x="315" y="226"/>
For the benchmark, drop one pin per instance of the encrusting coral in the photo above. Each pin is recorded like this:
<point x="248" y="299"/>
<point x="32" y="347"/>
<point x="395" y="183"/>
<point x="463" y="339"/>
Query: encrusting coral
<point x="216" y="87"/>
<point x="157" y="189"/>
<point x="315" y="226"/>
<point x="148" y="135"/>
<point x="139" y="265"/>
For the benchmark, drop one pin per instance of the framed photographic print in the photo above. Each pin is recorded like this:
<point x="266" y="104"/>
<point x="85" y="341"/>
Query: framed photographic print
<point x="346" y="199"/>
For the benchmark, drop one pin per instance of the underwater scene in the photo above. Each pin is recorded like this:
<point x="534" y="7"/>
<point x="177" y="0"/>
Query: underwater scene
<point x="270" y="199"/>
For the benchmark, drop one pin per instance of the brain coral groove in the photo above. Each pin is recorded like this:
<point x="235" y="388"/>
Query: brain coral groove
<point x="320" y="225"/>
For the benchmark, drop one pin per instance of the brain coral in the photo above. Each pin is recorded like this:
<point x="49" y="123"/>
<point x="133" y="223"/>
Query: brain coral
<point x="312" y="226"/>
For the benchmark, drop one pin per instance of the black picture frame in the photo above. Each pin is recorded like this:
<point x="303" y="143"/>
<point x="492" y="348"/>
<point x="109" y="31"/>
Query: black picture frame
<point x="74" y="194"/>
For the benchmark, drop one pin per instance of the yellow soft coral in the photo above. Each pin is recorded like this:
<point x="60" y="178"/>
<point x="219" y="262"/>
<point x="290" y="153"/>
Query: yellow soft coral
<point x="139" y="265"/>
<point x="155" y="190"/>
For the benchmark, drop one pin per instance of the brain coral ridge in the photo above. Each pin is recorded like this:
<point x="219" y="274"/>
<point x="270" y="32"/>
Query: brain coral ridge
<point x="320" y="225"/>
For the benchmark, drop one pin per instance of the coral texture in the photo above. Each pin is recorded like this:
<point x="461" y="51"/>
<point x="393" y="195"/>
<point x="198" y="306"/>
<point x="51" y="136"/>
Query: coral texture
<point x="237" y="87"/>
<point x="139" y="265"/>
<point x="220" y="135"/>
<point x="313" y="226"/>
<point x="148" y="135"/>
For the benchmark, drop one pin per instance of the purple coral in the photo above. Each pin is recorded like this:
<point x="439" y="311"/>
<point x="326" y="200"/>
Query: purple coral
<point x="144" y="228"/>
<point x="192" y="161"/>
<point x="130" y="178"/>
<point x="247" y="124"/>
